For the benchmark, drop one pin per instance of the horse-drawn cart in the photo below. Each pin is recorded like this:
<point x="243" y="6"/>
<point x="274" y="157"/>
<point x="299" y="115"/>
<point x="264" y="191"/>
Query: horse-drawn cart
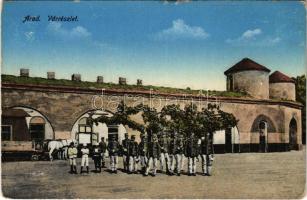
<point x="24" y="150"/>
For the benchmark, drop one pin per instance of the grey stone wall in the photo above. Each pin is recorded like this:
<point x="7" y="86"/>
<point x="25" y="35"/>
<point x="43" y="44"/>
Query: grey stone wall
<point x="282" y="91"/>
<point x="64" y="108"/>
<point x="255" y="83"/>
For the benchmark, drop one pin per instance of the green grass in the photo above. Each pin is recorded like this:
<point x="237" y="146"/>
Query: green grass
<point x="86" y="84"/>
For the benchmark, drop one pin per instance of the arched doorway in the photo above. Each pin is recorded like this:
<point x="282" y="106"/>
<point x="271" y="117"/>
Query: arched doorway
<point x="263" y="147"/>
<point x="293" y="134"/>
<point x="83" y="132"/>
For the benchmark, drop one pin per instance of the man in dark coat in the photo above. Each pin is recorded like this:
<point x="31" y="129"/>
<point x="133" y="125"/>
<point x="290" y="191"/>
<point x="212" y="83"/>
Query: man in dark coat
<point x="172" y="153"/>
<point x="97" y="157"/>
<point x="164" y="158"/>
<point x="154" y="151"/>
<point x="113" y="149"/>
<point x="143" y="152"/>
<point x="103" y="148"/>
<point x="124" y="149"/>
<point x="207" y="153"/>
<point x="192" y="154"/>
<point x="133" y="156"/>
<point x="179" y="153"/>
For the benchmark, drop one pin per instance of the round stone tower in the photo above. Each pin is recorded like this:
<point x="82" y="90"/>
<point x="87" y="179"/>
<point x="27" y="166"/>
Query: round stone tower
<point x="281" y="86"/>
<point x="250" y="77"/>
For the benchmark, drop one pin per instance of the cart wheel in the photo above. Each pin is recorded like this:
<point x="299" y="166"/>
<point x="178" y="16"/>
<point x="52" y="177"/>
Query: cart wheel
<point x="34" y="157"/>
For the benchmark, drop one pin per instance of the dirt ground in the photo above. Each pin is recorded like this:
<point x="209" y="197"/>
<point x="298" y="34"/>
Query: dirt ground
<point x="246" y="175"/>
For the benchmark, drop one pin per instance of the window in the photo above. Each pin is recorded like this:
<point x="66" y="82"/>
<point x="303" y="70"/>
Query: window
<point x="84" y="127"/>
<point x="6" y="132"/>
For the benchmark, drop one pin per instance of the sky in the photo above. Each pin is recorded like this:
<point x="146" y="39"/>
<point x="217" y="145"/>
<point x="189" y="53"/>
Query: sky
<point x="187" y="44"/>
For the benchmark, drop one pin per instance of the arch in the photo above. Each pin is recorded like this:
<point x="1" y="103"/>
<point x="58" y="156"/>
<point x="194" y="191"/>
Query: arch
<point x="262" y="118"/>
<point x="292" y="134"/>
<point x="37" y="117"/>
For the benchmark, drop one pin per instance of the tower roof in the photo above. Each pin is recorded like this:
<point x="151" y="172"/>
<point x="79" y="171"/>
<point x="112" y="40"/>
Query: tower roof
<point x="246" y="64"/>
<point x="278" y="77"/>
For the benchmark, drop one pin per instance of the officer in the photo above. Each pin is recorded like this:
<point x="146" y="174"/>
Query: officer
<point x="192" y="154"/>
<point x="172" y="153"/>
<point x="113" y="149"/>
<point x="133" y="155"/>
<point x="125" y="147"/>
<point x="207" y="152"/>
<point x="84" y="159"/>
<point x="72" y="155"/>
<point x="164" y="144"/>
<point x="97" y="157"/>
<point x="143" y="150"/>
<point x="179" y="153"/>
<point x="154" y="151"/>
<point x="103" y="148"/>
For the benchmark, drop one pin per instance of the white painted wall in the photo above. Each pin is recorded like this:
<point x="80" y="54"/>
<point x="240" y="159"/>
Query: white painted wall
<point x="219" y="136"/>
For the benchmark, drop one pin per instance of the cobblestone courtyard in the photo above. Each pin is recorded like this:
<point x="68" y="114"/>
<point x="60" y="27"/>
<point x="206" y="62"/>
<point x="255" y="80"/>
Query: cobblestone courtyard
<point x="246" y="175"/>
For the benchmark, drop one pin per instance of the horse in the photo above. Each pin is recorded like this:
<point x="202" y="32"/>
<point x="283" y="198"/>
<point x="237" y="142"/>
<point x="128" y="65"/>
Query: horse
<point x="60" y="146"/>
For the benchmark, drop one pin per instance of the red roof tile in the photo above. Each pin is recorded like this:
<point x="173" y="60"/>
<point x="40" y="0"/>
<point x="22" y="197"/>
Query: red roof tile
<point x="245" y="65"/>
<point x="278" y="77"/>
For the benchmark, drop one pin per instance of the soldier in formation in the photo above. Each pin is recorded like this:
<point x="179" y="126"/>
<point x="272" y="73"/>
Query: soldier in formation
<point x="154" y="151"/>
<point x="179" y="152"/>
<point x="164" y="158"/>
<point x="207" y="154"/>
<point x="97" y="157"/>
<point x="124" y="149"/>
<point x="133" y="155"/>
<point x="72" y="155"/>
<point x="84" y="158"/>
<point x="103" y="148"/>
<point x="143" y="151"/>
<point x="192" y="154"/>
<point x="113" y="149"/>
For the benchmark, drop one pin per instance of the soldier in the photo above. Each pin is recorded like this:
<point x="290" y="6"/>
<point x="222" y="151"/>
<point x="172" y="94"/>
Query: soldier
<point x="72" y="155"/>
<point x="84" y="159"/>
<point x="103" y="148"/>
<point x="179" y="153"/>
<point x="164" y="144"/>
<point x="192" y="153"/>
<point x="207" y="152"/>
<point x="125" y="144"/>
<point x="153" y="155"/>
<point x="172" y="153"/>
<point x="113" y="149"/>
<point x="133" y="155"/>
<point x="143" y="150"/>
<point x="97" y="157"/>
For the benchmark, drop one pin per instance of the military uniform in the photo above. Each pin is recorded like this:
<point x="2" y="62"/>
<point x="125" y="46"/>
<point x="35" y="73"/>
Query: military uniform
<point x="103" y="148"/>
<point x="124" y="149"/>
<point x="179" y="154"/>
<point x="154" y="151"/>
<point x="84" y="159"/>
<point x="192" y="154"/>
<point x="72" y="155"/>
<point x="207" y="154"/>
<point x="113" y="149"/>
<point x="97" y="157"/>
<point x="172" y="153"/>
<point x="143" y="151"/>
<point x="133" y="155"/>
<point x="164" y="144"/>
